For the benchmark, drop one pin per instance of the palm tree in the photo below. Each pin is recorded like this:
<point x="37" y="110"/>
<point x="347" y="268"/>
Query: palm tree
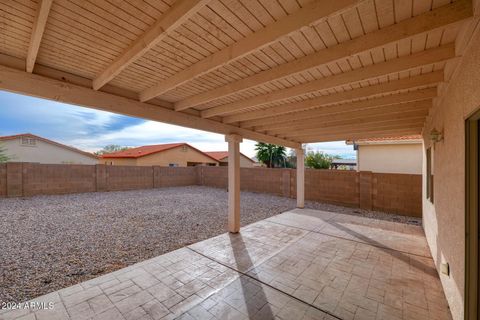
<point x="271" y="154"/>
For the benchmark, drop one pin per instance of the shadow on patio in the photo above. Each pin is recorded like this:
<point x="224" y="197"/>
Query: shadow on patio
<point x="272" y="269"/>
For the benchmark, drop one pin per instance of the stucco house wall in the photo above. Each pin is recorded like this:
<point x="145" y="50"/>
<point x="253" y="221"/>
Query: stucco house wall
<point x="180" y="156"/>
<point x="390" y="158"/>
<point x="44" y="152"/>
<point x="244" y="162"/>
<point x="118" y="161"/>
<point x="444" y="220"/>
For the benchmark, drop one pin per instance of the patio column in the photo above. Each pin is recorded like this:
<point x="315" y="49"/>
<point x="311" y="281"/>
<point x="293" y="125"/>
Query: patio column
<point x="300" y="178"/>
<point x="233" y="182"/>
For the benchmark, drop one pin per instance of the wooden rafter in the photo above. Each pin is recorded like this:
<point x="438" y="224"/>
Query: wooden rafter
<point x="410" y="124"/>
<point x="373" y="121"/>
<point x="394" y="133"/>
<point x="387" y="113"/>
<point x="305" y="16"/>
<point x="383" y="113"/>
<point x="380" y="104"/>
<point x="360" y="134"/>
<point x="180" y="12"/>
<point x="419" y="59"/>
<point x="39" y="86"/>
<point x="426" y="79"/>
<point x="37" y="33"/>
<point x="425" y="22"/>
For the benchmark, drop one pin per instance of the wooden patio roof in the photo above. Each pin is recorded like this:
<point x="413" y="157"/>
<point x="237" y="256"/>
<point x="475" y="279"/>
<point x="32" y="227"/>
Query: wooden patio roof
<point x="278" y="71"/>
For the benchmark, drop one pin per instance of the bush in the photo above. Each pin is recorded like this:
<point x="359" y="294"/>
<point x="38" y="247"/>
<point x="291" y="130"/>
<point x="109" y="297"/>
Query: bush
<point x="318" y="160"/>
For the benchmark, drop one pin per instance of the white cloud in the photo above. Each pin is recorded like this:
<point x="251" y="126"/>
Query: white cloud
<point x="151" y="132"/>
<point x="91" y="129"/>
<point x="334" y="147"/>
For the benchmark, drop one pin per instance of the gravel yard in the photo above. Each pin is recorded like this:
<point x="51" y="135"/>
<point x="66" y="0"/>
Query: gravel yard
<point x="51" y="242"/>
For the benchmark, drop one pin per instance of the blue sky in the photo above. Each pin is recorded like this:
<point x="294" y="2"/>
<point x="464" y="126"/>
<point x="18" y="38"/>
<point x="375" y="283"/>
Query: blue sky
<point x="90" y="129"/>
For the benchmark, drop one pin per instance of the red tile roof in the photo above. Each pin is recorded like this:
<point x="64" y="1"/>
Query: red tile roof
<point x="146" y="150"/>
<point x="219" y="155"/>
<point x="29" y="135"/>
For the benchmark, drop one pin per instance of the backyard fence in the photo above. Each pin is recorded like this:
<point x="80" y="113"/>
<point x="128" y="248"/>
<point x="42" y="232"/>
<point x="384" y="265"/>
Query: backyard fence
<point x="396" y="193"/>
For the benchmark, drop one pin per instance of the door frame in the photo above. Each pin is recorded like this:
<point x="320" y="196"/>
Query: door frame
<point x="471" y="216"/>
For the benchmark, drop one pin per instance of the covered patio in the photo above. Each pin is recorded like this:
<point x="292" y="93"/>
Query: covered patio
<point x="285" y="72"/>
<point x="301" y="264"/>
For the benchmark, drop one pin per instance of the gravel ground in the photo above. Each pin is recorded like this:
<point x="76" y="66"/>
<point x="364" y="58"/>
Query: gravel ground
<point x="51" y="242"/>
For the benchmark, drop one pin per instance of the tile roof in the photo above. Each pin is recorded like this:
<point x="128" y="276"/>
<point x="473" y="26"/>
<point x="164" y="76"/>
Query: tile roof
<point x="147" y="150"/>
<point x="219" y="155"/>
<point x="29" y="135"/>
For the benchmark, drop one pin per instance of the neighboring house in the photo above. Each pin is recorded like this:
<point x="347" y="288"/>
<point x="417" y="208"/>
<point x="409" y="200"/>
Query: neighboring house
<point x="344" y="164"/>
<point x="171" y="155"/>
<point x="31" y="148"/>
<point x="390" y="155"/>
<point x="222" y="158"/>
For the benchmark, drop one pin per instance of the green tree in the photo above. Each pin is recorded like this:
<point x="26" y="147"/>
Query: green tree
<point x="271" y="155"/>
<point x="3" y="154"/>
<point x="110" y="148"/>
<point x="318" y="160"/>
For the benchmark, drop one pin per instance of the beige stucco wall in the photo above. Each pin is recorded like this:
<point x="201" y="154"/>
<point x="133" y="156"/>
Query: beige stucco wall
<point x="443" y="221"/>
<point x="44" y="152"/>
<point x="392" y="158"/>
<point x="244" y="162"/>
<point x="164" y="158"/>
<point x="118" y="161"/>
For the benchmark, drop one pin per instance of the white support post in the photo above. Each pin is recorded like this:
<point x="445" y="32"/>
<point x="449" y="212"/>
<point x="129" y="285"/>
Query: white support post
<point x="233" y="182"/>
<point x="300" y="178"/>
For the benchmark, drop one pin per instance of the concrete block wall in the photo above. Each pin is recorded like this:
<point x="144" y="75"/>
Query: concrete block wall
<point x="54" y="179"/>
<point x="337" y="187"/>
<point x="396" y="193"/>
<point x="3" y="180"/>
<point x="216" y="177"/>
<point x="129" y="178"/>
<point x="266" y="180"/>
<point x="173" y="177"/>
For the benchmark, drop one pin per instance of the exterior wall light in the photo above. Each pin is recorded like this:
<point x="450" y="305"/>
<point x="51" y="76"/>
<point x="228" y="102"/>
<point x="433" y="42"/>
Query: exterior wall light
<point x="436" y="136"/>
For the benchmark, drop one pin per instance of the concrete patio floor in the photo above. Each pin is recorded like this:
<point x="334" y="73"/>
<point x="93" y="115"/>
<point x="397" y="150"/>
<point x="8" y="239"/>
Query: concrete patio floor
<point x="301" y="264"/>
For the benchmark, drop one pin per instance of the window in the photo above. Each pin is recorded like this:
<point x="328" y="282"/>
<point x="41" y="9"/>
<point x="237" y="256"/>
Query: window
<point x="429" y="175"/>
<point x="184" y="148"/>
<point x="30" y="142"/>
<point x="173" y="164"/>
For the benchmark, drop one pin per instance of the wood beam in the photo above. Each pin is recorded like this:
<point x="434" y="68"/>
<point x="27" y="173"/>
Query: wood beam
<point x="426" y="79"/>
<point x="340" y="125"/>
<point x="37" y="33"/>
<point x="344" y="123"/>
<point x="311" y="13"/>
<point x="360" y="135"/>
<point x="366" y="124"/>
<point x="39" y="86"/>
<point x="431" y="20"/>
<point x="356" y="107"/>
<point x="181" y="11"/>
<point x="372" y="106"/>
<point x="416" y="60"/>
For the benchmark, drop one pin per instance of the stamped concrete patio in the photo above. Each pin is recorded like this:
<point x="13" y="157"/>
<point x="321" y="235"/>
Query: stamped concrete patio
<point x="302" y="264"/>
